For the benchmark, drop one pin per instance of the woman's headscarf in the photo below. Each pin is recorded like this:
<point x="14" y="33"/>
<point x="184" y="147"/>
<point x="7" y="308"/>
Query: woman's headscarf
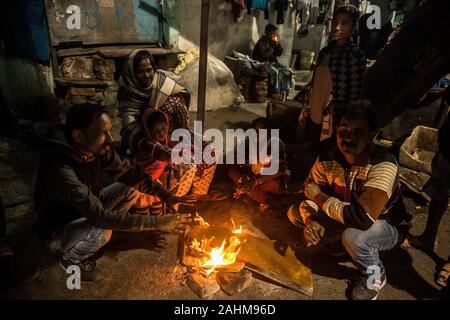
<point x="153" y="96"/>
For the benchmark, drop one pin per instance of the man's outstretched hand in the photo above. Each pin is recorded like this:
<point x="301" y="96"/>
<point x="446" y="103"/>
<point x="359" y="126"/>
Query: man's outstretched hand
<point x="172" y="222"/>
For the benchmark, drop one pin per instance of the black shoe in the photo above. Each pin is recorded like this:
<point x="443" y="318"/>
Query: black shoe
<point x="88" y="269"/>
<point x="361" y="291"/>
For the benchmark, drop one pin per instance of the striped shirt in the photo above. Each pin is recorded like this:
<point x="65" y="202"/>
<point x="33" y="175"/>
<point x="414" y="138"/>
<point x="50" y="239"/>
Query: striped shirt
<point x="358" y="193"/>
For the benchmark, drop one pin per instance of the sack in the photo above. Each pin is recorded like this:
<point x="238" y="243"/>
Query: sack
<point x="221" y="88"/>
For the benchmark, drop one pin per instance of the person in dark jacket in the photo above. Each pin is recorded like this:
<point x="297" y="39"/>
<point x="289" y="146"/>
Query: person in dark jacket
<point x="268" y="48"/>
<point x="75" y="213"/>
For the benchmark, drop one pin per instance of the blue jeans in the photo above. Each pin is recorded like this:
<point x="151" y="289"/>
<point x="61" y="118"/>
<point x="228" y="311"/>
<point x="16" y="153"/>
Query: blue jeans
<point x="363" y="246"/>
<point x="80" y="240"/>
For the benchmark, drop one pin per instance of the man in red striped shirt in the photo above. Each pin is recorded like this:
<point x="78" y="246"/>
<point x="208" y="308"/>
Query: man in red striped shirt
<point x="352" y="192"/>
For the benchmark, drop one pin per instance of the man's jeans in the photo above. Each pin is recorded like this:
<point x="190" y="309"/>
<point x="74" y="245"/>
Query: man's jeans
<point x="363" y="246"/>
<point x="80" y="240"/>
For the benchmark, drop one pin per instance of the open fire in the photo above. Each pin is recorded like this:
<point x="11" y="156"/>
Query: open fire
<point x="225" y="258"/>
<point x="211" y="256"/>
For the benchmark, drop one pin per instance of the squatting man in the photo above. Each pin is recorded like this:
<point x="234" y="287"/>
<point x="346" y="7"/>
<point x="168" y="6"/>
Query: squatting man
<point x="75" y="213"/>
<point x="353" y="196"/>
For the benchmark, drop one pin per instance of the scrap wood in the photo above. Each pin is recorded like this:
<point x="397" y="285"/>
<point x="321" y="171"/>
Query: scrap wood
<point x="261" y="257"/>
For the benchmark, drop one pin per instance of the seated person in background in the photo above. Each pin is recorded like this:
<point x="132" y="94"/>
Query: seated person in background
<point x="268" y="48"/>
<point x="248" y="177"/>
<point x="75" y="213"/>
<point x="354" y="196"/>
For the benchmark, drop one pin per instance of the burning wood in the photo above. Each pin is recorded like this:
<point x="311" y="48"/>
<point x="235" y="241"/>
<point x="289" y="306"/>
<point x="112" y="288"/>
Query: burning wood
<point x="209" y="251"/>
<point x="200" y="220"/>
<point x="236" y="230"/>
<point x="212" y="256"/>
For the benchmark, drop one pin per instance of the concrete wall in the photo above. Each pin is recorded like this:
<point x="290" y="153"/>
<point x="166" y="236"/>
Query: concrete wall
<point x="225" y="35"/>
<point x="21" y="80"/>
<point x="314" y="41"/>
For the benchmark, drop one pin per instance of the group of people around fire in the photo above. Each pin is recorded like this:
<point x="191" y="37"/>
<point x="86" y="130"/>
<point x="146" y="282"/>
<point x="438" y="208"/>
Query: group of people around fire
<point x="351" y="197"/>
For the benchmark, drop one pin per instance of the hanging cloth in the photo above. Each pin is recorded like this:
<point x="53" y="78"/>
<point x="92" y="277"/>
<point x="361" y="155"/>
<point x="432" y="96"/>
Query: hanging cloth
<point x="236" y="9"/>
<point x="259" y="5"/>
<point x="280" y="7"/>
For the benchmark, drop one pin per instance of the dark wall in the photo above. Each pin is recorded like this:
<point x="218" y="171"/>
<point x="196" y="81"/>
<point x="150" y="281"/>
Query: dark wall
<point x="24" y="29"/>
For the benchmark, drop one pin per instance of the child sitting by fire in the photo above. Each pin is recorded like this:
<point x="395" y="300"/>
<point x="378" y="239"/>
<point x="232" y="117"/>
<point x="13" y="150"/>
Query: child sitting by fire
<point x="153" y="129"/>
<point x="248" y="178"/>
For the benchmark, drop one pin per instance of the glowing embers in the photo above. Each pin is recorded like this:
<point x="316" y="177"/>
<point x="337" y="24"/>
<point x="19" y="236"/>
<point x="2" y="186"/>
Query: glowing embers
<point x="209" y="251"/>
<point x="200" y="220"/>
<point x="212" y="256"/>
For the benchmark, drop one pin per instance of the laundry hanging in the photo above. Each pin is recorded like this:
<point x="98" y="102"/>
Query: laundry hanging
<point x="259" y="5"/>
<point x="236" y="9"/>
<point x="302" y="13"/>
<point x="280" y="7"/>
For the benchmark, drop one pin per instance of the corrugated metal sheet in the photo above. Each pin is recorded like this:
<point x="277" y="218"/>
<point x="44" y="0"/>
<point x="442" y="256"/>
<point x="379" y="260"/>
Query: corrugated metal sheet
<point x="105" y="21"/>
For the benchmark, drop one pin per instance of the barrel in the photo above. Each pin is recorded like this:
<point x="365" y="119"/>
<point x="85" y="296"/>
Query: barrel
<point x="306" y="59"/>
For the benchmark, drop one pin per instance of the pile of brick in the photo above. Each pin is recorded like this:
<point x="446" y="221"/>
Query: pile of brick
<point x="79" y="68"/>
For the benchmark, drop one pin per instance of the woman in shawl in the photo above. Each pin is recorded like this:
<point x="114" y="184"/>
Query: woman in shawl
<point x="143" y="87"/>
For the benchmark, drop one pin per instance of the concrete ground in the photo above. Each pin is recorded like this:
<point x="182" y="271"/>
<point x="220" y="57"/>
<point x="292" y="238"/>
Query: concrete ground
<point x="147" y="267"/>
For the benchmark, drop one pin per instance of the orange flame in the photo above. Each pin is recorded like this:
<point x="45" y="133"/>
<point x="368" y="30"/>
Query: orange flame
<point x="236" y="230"/>
<point x="214" y="256"/>
<point x="200" y="220"/>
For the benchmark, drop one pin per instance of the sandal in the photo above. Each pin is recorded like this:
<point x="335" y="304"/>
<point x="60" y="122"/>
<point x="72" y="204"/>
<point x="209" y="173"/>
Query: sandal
<point x="443" y="275"/>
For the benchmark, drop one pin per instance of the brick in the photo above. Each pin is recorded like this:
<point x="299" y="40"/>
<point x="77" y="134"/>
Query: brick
<point x="233" y="283"/>
<point x="205" y="288"/>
